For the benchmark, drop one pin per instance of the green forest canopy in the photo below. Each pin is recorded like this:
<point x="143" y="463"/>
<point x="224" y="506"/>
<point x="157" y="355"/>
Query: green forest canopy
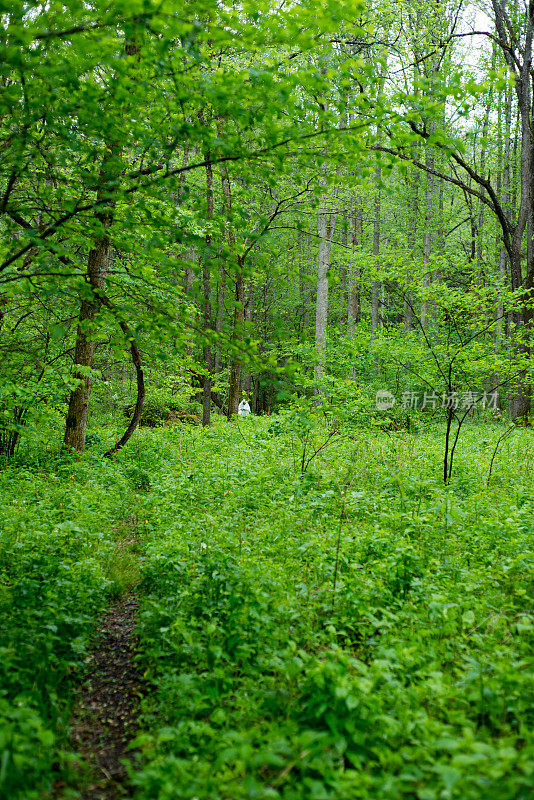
<point x="237" y="189"/>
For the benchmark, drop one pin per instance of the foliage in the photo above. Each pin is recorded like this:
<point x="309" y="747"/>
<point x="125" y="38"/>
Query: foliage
<point x="323" y="615"/>
<point x="59" y="562"/>
<point x="162" y="408"/>
<point x="411" y="681"/>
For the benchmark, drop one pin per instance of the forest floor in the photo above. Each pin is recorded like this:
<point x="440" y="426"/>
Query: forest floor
<point x="104" y="720"/>
<point x="354" y="631"/>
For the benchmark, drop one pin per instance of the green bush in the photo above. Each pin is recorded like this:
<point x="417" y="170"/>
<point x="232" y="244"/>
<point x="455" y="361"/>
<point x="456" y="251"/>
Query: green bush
<point x="410" y="681"/>
<point x="161" y="409"/>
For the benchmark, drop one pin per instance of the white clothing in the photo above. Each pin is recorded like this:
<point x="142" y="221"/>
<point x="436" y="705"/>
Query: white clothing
<point x="243" y="408"/>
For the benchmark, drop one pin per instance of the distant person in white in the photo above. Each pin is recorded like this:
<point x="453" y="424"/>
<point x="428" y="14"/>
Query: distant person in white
<point x="243" y="409"/>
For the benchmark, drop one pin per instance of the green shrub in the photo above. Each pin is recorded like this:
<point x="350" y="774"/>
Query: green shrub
<point x="162" y="409"/>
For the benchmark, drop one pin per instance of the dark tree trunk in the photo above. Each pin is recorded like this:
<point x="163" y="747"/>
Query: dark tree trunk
<point x="78" y="412"/>
<point x="521" y="70"/>
<point x="97" y="264"/>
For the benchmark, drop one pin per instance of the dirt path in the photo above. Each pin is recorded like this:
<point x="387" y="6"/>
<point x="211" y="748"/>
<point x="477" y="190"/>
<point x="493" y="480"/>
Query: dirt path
<point x="104" y="720"/>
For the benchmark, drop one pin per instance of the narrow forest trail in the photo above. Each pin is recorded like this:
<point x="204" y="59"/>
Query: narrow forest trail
<point x="104" y="720"/>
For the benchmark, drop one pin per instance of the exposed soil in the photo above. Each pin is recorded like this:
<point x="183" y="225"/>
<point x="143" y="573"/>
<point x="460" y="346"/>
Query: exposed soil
<point x="105" y="717"/>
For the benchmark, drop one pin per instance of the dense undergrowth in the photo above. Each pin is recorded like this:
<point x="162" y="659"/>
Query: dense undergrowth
<point x="61" y="526"/>
<point x="358" y="631"/>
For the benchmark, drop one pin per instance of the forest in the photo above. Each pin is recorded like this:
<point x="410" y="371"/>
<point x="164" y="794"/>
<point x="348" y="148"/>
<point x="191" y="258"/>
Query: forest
<point x="266" y="387"/>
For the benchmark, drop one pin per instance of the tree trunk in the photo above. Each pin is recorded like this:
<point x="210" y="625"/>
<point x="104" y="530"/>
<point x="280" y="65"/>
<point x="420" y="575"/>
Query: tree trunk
<point x="234" y="389"/>
<point x="343" y="281"/>
<point x="326" y="221"/>
<point x="234" y="383"/>
<point x="521" y="71"/>
<point x="505" y="201"/>
<point x="303" y="294"/>
<point x="415" y="181"/>
<point x="353" y="299"/>
<point x="206" y="285"/>
<point x="429" y="218"/>
<point x="249" y="313"/>
<point x="375" y="299"/>
<point x="321" y="306"/>
<point x="221" y="295"/>
<point x="97" y="265"/>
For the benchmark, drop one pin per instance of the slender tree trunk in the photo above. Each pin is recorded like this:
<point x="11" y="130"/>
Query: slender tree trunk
<point x="234" y="382"/>
<point x="206" y="285"/>
<point x="506" y="201"/>
<point x="234" y="389"/>
<point x="482" y="171"/>
<point x="412" y="241"/>
<point x="375" y="298"/>
<point x="303" y="299"/>
<point x="353" y="299"/>
<point x="308" y="306"/>
<point x="321" y="306"/>
<point x="326" y="220"/>
<point x="343" y="281"/>
<point x="221" y="295"/>
<point x="249" y="314"/>
<point x="429" y="218"/>
<point x="440" y="243"/>
<point x="189" y="292"/>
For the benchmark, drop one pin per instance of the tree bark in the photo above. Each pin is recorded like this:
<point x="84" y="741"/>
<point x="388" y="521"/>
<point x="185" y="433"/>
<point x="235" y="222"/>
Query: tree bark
<point x="326" y="220"/>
